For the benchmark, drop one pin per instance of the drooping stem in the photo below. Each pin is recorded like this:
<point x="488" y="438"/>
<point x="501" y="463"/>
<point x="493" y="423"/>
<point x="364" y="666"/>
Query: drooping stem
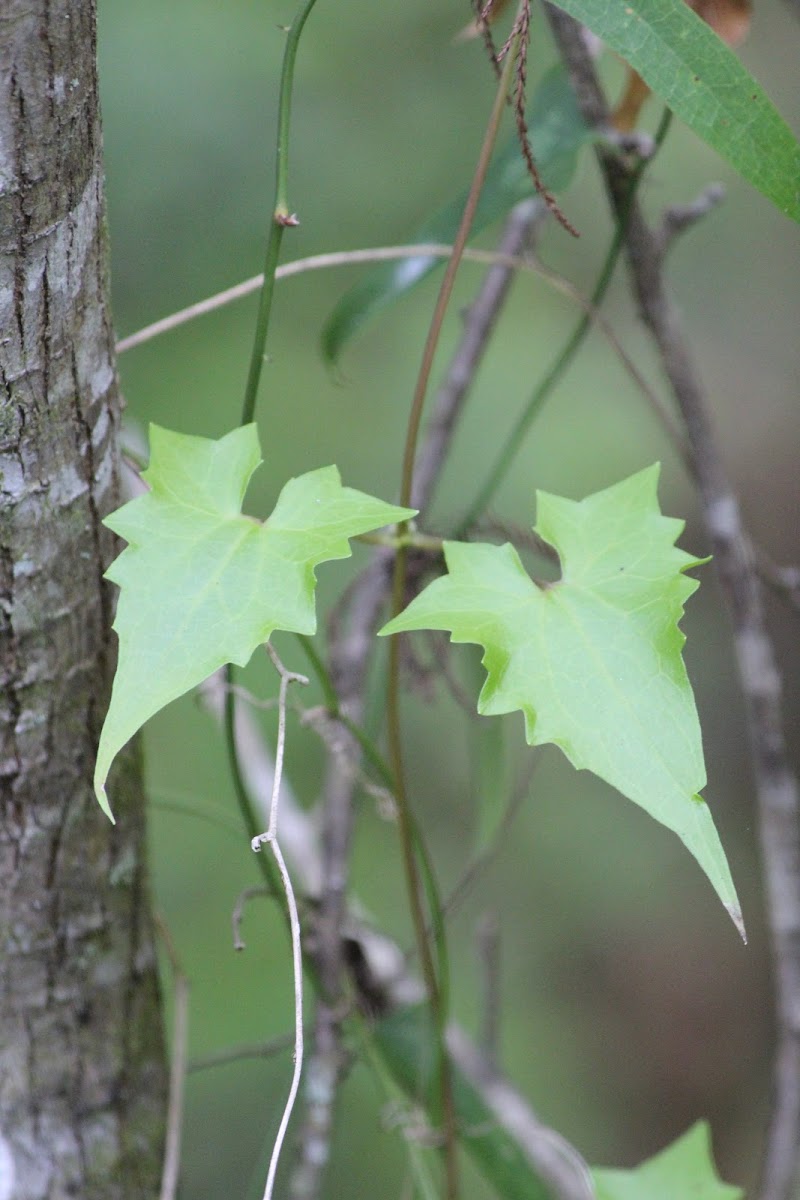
<point x="271" y="839"/>
<point x="435" y="985"/>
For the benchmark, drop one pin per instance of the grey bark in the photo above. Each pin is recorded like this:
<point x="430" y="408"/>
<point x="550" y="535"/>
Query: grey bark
<point x="82" y="1080"/>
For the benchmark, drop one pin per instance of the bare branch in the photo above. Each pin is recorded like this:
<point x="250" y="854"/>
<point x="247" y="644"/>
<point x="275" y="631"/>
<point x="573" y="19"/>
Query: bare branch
<point x="680" y="217"/>
<point x="328" y="1057"/>
<point x="322" y="1083"/>
<point x="178" y="1069"/>
<point x="776" y="784"/>
<point x="315" y="262"/>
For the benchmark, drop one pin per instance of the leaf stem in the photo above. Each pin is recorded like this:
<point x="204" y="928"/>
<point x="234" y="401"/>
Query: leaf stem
<point x="281" y="214"/>
<point x="435" y="986"/>
<point x="568" y="351"/>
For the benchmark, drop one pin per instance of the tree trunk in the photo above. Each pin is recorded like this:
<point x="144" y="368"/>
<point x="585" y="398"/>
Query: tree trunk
<point x="82" y="1079"/>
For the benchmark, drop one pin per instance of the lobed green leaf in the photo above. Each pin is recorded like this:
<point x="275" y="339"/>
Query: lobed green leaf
<point x="201" y="585"/>
<point x="594" y="661"/>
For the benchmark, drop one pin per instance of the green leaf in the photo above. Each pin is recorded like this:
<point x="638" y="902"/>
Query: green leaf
<point x="557" y="133"/>
<point x="594" y="661"/>
<point x="705" y="84"/>
<point x="685" y="1169"/>
<point x="201" y="584"/>
<point x="406" y="1043"/>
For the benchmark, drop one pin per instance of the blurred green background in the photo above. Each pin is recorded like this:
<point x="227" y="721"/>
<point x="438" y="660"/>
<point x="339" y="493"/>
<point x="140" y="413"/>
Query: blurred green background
<point x="629" y="1007"/>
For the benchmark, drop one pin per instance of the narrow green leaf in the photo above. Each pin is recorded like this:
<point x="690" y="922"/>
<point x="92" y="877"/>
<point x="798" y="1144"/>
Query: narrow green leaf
<point x="557" y="133"/>
<point x="594" y="661"/>
<point x="406" y="1043"/>
<point x="685" y="1169"/>
<point x="201" y="584"/>
<point x="705" y="84"/>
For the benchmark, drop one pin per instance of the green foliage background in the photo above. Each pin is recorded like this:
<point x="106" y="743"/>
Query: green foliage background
<point x="630" y="1008"/>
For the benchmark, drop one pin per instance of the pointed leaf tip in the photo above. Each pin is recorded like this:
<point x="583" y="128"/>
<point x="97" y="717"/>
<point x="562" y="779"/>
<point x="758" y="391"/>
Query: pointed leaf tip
<point x="594" y="661"/>
<point x="202" y="585"/>
<point x="735" y="914"/>
<point x="102" y="797"/>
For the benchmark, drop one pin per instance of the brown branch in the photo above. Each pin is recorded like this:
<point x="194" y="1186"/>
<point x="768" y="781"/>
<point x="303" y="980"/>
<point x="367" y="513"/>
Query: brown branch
<point x="776" y="785"/>
<point x="170" y="1173"/>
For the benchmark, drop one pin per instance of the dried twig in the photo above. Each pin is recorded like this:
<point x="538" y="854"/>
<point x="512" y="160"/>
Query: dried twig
<point x="232" y="1054"/>
<point x="270" y="838"/>
<point x="315" y="262"/>
<point x="776" y="785"/>
<point x="517" y="44"/>
<point x="680" y="217"/>
<point x="507" y="259"/>
<point x="245" y="896"/>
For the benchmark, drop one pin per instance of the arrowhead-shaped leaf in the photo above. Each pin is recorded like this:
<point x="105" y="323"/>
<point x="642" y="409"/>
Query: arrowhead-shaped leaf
<point x="201" y="584"/>
<point x="684" y="1169"/>
<point x="594" y="661"/>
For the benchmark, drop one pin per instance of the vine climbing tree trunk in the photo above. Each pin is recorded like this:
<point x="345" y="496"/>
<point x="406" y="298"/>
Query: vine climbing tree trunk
<point x="82" y="1079"/>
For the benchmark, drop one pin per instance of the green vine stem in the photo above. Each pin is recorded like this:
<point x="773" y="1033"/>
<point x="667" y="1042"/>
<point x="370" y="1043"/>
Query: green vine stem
<point x="514" y="441"/>
<point x="265" y="863"/>
<point x="436" y="986"/>
<point x="281" y="217"/>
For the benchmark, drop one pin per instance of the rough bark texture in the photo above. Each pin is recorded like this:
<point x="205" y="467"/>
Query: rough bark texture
<point x="81" y="1058"/>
